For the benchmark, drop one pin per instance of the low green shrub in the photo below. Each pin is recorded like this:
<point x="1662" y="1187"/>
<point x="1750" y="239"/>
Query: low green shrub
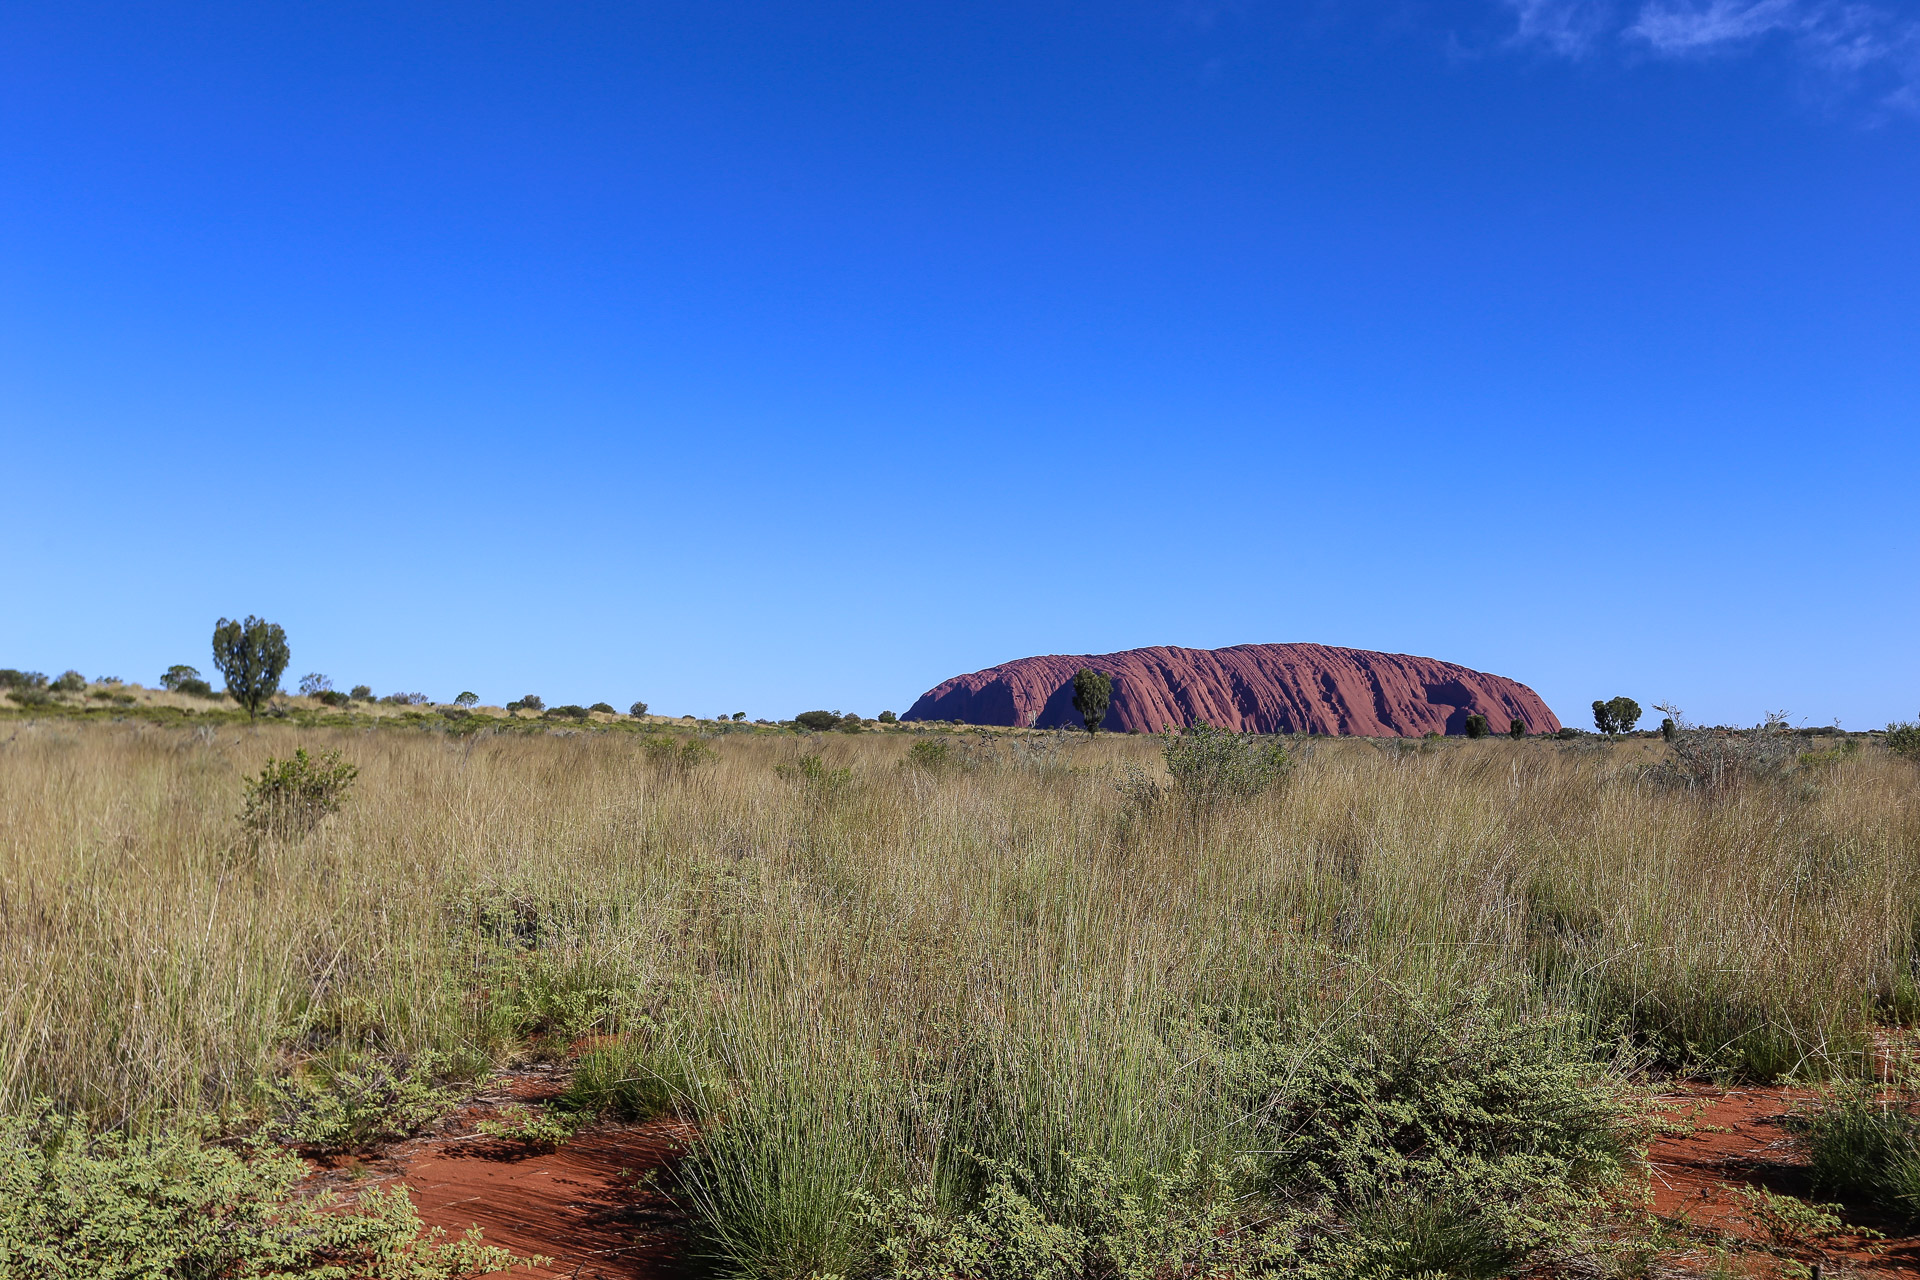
<point x="1485" y="1136"/>
<point x="1190" y="1222"/>
<point x="540" y="1130"/>
<point x="572" y="711"/>
<point x="291" y="796"/>
<point x="1209" y="766"/>
<point x="69" y="682"/>
<point x="818" y="721"/>
<point x="605" y="708"/>
<point x="930" y="755"/>
<point x="670" y="755"/>
<point x="1476" y="726"/>
<point x="367" y="1101"/>
<point x="1516" y="728"/>
<point x="362" y="693"/>
<point x="887" y="717"/>
<point x="17" y="680"/>
<point x="1903" y="738"/>
<point x="76" y="1205"/>
<point x="815" y="777"/>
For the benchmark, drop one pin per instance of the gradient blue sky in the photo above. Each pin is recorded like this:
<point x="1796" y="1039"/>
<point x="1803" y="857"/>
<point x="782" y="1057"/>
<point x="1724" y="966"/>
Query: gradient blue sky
<point x="761" y="357"/>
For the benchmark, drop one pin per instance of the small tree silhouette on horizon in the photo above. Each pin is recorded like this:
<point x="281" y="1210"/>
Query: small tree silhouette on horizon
<point x="252" y="656"/>
<point x="1092" y="695"/>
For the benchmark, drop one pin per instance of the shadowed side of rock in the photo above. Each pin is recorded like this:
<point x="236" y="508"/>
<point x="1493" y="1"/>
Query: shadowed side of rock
<point x="1249" y="688"/>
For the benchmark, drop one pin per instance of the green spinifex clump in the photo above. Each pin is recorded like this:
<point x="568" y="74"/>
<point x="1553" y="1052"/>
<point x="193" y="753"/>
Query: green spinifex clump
<point x="76" y="1205"/>
<point x="1867" y="1148"/>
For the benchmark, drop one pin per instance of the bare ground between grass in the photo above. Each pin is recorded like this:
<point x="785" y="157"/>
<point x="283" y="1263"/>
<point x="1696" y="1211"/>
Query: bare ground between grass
<point x="590" y="1205"/>
<point x="1740" y="1138"/>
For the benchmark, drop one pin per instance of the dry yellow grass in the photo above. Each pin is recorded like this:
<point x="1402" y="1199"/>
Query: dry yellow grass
<point x="150" y="959"/>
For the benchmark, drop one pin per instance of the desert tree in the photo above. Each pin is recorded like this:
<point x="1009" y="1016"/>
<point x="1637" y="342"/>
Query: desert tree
<point x="1516" y="728"/>
<point x="467" y="698"/>
<point x="251" y="656"/>
<point x="637" y="710"/>
<point x="313" y="684"/>
<point x="1476" y="725"/>
<point x="1092" y="695"/>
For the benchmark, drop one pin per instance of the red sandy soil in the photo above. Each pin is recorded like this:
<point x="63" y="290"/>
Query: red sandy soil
<point x="587" y="1205"/>
<point x="1739" y="1139"/>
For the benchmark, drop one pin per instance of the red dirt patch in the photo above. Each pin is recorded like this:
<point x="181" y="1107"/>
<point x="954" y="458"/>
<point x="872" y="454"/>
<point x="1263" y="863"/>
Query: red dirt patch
<point x="587" y="1205"/>
<point x="1740" y="1139"/>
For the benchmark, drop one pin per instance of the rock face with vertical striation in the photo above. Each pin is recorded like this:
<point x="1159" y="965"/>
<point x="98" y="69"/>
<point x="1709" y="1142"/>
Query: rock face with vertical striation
<point x="1249" y="688"/>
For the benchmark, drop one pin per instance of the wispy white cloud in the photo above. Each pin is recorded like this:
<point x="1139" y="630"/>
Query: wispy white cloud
<point x="1569" y="27"/>
<point x="1855" y="41"/>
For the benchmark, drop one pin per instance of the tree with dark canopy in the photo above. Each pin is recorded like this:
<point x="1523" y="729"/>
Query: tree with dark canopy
<point x="1092" y="695"/>
<point x="252" y="656"/>
<point x="1476" y="725"/>
<point x="1617" y="715"/>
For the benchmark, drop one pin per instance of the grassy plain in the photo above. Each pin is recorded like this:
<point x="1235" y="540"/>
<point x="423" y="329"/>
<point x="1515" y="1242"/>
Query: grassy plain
<point x="862" y="976"/>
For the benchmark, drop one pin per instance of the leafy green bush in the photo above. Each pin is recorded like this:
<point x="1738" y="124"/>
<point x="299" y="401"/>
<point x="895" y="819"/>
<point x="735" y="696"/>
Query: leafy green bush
<point x="466" y="698"/>
<point x="637" y="710"/>
<point x="541" y="1130"/>
<point x="851" y="723"/>
<point x="1868" y="1149"/>
<point x="887" y="717"/>
<point x="1903" y="739"/>
<point x="818" y="721"/>
<point x="313" y="684"/>
<point x="11" y="679"/>
<point x="1484" y="1136"/>
<point x="1186" y="1223"/>
<point x="349" y="1108"/>
<point x="670" y="755"/>
<point x="81" y="1206"/>
<point x="814" y="777"/>
<point x="69" y="682"/>
<point x="572" y="711"/>
<point x="291" y="796"/>
<point x="1476" y="726"/>
<point x="333" y="698"/>
<point x="1211" y="766"/>
<point x="605" y="708"/>
<point x="930" y="755"/>
<point x="1516" y="728"/>
<point x="362" y="693"/>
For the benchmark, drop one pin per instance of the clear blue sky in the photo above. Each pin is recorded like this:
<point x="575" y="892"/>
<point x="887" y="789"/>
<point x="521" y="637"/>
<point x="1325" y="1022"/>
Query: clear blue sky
<point x="762" y="357"/>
